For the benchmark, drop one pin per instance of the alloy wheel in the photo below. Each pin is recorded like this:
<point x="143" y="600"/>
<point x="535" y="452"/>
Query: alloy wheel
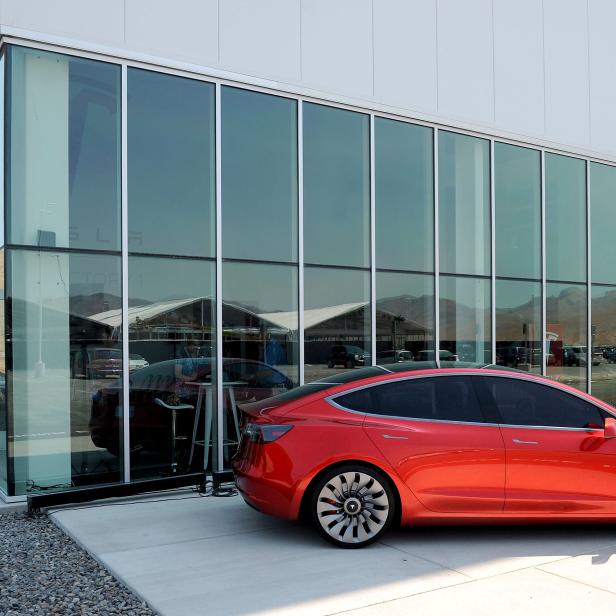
<point x="353" y="507"/>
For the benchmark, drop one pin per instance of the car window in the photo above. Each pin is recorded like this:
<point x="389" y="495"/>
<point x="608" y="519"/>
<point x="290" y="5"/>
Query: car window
<point x="447" y="398"/>
<point x="522" y="403"/>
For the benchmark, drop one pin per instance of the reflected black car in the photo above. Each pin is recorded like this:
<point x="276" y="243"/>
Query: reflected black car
<point x="347" y="355"/>
<point x="175" y="383"/>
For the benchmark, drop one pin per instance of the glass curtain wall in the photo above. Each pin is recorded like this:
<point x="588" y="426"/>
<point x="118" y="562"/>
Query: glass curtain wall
<point x="603" y="277"/>
<point x="260" y="320"/>
<point x="517" y="212"/>
<point x="171" y="301"/>
<point x="61" y="399"/>
<point x="566" y="329"/>
<point x="464" y="238"/>
<point x="63" y="192"/>
<point x="404" y="232"/>
<point x="336" y="153"/>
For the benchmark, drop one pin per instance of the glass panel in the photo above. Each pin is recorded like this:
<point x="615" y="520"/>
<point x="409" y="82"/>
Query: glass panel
<point x="171" y="320"/>
<point x="517" y="192"/>
<point x="336" y="186"/>
<point x="64" y="327"/>
<point x="464" y="204"/>
<point x="259" y="176"/>
<point x="603" y="220"/>
<point x="531" y="404"/>
<point x="336" y="321"/>
<point x="518" y="325"/>
<point x="171" y="173"/>
<point x="603" y="331"/>
<point x="404" y="317"/>
<point x="404" y="177"/>
<point x="565" y="218"/>
<point x="419" y="399"/>
<point x="465" y="318"/>
<point x="566" y="334"/>
<point x="64" y="179"/>
<point x="260" y="323"/>
<point x="3" y="405"/>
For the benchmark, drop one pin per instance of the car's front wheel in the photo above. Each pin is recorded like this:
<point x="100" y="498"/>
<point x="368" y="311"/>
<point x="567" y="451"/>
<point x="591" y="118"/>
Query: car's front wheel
<point x="352" y="506"/>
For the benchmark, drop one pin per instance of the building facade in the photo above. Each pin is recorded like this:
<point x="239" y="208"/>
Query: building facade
<point x="211" y="202"/>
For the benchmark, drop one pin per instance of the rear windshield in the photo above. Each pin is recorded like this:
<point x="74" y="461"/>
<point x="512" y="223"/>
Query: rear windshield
<point x="299" y="392"/>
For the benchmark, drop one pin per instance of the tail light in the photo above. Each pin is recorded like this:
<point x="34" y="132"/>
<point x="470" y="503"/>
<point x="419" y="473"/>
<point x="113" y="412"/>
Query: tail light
<point x="265" y="433"/>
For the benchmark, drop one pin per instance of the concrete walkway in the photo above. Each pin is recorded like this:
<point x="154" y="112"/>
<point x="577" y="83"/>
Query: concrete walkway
<point x="187" y="555"/>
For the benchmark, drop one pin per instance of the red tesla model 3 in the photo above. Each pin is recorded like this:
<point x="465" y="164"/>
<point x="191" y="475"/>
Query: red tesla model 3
<point x="424" y="445"/>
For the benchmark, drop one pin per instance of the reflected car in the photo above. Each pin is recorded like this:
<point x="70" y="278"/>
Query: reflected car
<point x="392" y="356"/>
<point x="102" y="363"/>
<point x="136" y="362"/>
<point x="578" y="356"/>
<point x="445" y="445"/>
<point x="348" y="356"/>
<point x="150" y="423"/>
<point x="443" y="355"/>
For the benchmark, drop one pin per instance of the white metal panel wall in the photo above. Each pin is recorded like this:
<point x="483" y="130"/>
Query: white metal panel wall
<point x="602" y="46"/>
<point x="465" y="60"/>
<point x="270" y="29"/>
<point x="540" y="69"/>
<point x="518" y="66"/>
<point x="337" y="46"/>
<point x="405" y="68"/>
<point x="181" y="30"/>
<point x="100" y="22"/>
<point x="566" y="71"/>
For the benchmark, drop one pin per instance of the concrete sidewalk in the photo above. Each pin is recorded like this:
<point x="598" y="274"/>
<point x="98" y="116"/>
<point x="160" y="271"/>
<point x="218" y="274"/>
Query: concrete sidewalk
<point x="187" y="555"/>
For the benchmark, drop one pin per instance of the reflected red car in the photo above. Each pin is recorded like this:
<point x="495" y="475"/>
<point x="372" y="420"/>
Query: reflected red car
<point x="416" y="444"/>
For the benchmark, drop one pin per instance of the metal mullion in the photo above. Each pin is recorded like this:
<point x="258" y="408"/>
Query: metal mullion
<point x="492" y="255"/>
<point x="543" y="272"/>
<point x="300" y="238"/>
<point x="219" y="449"/>
<point x="588" y="285"/>
<point x="437" y="288"/>
<point x="124" y="232"/>
<point x="372" y="247"/>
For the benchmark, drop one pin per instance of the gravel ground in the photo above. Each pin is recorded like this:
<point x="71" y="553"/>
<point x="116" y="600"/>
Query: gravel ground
<point x="44" y="572"/>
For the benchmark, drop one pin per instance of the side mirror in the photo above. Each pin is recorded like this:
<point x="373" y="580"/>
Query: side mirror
<point x="609" y="430"/>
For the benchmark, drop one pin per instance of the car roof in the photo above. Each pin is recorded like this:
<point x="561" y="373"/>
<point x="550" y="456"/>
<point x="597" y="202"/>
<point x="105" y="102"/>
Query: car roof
<point x="343" y="378"/>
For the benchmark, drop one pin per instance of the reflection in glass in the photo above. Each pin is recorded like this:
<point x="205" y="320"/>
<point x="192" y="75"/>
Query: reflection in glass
<point x="404" y="195"/>
<point x="66" y="351"/>
<point x="336" y="321"/>
<point x="64" y="144"/>
<point x="603" y="222"/>
<point x="259" y="176"/>
<point x="465" y="319"/>
<point x="517" y="192"/>
<point x="566" y="333"/>
<point x="464" y="204"/>
<point x="404" y="317"/>
<point x="603" y="331"/>
<point x="518" y="325"/>
<point x="171" y="173"/>
<point x="3" y="405"/>
<point x="565" y="218"/>
<point x="171" y="319"/>
<point x="336" y="186"/>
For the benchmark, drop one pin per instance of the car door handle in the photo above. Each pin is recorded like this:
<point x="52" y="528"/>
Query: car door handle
<point x="519" y="442"/>
<point x="400" y="438"/>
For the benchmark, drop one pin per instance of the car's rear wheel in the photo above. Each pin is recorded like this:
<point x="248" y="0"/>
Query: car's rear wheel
<point x="352" y="506"/>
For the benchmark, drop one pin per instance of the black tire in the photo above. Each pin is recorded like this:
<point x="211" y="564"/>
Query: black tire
<point x="330" y="364"/>
<point x="367" y="489"/>
<point x="350" y="363"/>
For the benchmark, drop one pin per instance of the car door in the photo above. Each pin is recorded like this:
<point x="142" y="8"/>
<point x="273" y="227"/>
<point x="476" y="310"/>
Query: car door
<point x="433" y="433"/>
<point x="558" y="460"/>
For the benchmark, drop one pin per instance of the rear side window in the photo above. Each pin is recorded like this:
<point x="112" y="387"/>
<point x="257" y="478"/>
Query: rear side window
<point x="522" y="403"/>
<point x="446" y="398"/>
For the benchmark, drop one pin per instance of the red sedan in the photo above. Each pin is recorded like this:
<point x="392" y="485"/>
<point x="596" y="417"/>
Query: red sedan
<point x="389" y="444"/>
